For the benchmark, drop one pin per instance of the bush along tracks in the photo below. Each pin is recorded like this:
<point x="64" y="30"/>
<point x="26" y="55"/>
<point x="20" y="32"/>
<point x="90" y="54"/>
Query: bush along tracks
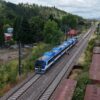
<point x="83" y="77"/>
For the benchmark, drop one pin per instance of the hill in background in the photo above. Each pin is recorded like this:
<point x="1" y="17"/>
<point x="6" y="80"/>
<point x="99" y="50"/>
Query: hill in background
<point x="10" y="11"/>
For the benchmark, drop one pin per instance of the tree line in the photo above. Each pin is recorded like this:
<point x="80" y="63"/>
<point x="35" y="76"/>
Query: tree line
<point x="33" y="23"/>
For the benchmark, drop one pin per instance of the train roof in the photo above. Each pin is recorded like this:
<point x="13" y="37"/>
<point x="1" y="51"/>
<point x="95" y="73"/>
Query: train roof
<point x="56" y="48"/>
<point x="46" y="56"/>
<point x="74" y="38"/>
<point x="96" y="50"/>
<point x="65" y="43"/>
<point x="50" y="53"/>
<point x="62" y="46"/>
<point x="70" y="41"/>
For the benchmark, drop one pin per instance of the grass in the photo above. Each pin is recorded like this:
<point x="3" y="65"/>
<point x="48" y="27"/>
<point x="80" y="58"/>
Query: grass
<point x="9" y="71"/>
<point x="83" y="80"/>
<point x="8" y="75"/>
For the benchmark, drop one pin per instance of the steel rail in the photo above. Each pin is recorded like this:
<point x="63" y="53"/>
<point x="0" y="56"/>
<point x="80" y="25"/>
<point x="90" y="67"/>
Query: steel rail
<point x="57" y="74"/>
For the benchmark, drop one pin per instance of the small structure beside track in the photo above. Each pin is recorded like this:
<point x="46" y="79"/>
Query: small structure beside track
<point x="92" y="93"/>
<point x="94" y="72"/>
<point x="66" y="90"/>
<point x="96" y="50"/>
<point x="97" y="43"/>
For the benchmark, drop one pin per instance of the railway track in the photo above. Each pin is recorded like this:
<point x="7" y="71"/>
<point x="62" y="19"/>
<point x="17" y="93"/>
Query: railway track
<point x="41" y="87"/>
<point x="22" y="86"/>
<point x="67" y="68"/>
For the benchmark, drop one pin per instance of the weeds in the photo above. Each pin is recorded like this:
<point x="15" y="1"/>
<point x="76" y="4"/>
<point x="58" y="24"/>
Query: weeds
<point x="9" y="71"/>
<point x="83" y="78"/>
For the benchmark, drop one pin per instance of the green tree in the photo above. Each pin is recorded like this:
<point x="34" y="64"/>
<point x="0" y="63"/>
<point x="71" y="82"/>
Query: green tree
<point x="16" y="28"/>
<point x="37" y="25"/>
<point x="51" y="17"/>
<point x="1" y="33"/>
<point x="52" y="34"/>
<point x="69" y="21"/>
<point x="22" y="31"/>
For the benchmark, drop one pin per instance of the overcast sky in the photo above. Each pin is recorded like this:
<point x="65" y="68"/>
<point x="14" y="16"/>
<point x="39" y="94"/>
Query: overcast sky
<point x="85" y="8"/>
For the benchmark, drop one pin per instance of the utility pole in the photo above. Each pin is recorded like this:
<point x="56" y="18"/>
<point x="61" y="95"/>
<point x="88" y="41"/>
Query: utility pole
<point x="66" y="30"/>
<point x="20" y="66"/>
<point x="65" y="33"/>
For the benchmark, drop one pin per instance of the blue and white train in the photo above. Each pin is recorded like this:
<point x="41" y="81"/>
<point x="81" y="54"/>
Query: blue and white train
<point x="48" y="58"/>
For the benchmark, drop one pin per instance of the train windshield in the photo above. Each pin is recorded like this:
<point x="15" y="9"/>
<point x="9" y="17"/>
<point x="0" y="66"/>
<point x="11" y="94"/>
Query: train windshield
<point x="40" y="64"/>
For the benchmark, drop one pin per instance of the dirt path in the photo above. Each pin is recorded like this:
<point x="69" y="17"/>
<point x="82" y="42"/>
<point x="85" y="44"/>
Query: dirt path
<point x="9" y="54"/>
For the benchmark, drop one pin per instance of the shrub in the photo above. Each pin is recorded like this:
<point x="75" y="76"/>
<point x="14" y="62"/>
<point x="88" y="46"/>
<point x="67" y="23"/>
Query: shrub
<point x="9" y="71"/>
<point x="8" y="74"/>
<point x="82" y="82"/>
<point x="83" y="79"/>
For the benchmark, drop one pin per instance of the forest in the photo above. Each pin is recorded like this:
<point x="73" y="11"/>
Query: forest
<point x="36" y="23"/>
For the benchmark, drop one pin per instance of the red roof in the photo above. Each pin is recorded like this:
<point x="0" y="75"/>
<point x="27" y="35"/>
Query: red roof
<point x="92" y="92"/>
<point x="8" y="37"/>
<point x="94" y="72"/>
<point x="72" y="32"/>
<point x="66" y="90"/>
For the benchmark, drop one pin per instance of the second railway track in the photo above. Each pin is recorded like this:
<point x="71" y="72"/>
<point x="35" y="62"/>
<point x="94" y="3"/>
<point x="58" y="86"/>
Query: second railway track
<point x="67" y="68"/>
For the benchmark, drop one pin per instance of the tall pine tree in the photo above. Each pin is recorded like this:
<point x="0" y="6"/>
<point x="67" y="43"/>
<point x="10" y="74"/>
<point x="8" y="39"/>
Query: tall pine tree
<point x="1" y="33"/>
<point x="22" y="31"/>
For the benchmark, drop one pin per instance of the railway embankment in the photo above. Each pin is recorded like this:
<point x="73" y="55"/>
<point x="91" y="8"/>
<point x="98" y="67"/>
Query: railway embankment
<point x="80" y="71"/>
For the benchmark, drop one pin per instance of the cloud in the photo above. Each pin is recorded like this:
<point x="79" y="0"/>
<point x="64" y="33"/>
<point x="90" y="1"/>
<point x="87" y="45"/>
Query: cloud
<point x="85" y="8"/>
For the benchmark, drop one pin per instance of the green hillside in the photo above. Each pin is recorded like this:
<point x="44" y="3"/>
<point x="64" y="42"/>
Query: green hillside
<point x="9" y="11"/>
<point x="34" y="19"/>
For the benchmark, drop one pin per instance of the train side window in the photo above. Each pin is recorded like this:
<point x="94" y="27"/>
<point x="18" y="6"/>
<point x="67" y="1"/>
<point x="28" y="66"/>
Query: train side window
<point x="50" y="60"/>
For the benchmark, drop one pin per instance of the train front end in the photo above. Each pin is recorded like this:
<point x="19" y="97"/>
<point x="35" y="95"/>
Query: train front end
<point x="40" y="67"/>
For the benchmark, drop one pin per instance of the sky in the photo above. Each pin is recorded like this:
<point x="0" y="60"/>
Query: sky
<point x="85" y="8"/>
